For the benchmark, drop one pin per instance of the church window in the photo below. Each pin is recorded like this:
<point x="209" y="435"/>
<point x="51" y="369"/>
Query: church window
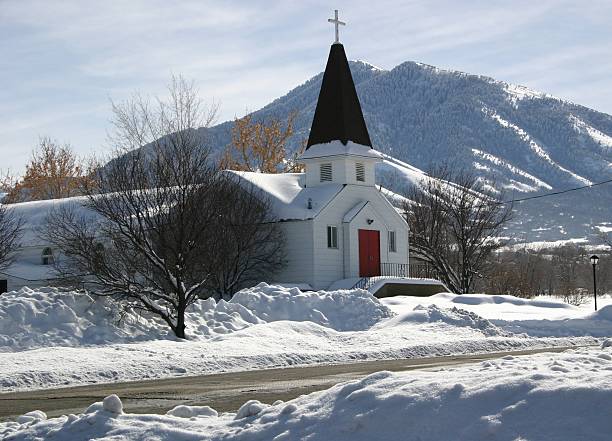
<point x="332" y="236"/>
<point x="326" y="172"/>
<point x="360" y="172"/>
<point x="47" y="256"/>
<point x="392" y="243"/>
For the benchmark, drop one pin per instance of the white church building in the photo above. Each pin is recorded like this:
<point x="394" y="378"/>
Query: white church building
<point x="341" y="229"/>
<point x="338" y="224"/>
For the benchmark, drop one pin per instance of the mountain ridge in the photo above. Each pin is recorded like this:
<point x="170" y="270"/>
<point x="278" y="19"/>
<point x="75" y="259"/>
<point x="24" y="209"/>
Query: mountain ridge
<point x="522" y="141"/>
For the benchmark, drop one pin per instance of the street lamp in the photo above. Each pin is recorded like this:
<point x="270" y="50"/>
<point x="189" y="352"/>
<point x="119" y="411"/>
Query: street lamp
<point x="594" y="260"/>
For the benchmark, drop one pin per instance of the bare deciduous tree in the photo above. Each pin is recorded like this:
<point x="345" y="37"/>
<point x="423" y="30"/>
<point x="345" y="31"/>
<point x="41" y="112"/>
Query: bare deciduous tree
<point x="160" y="206"/>
<point x="563" y="272"/>
<point x="11" y="228"/>
<point x="54" y="171"/>
<point x="260" y="146"/>
<point x="518" y="273"/>
<point x="455" y="222"/>
<point x="245" y="243"/>
<point x="606" y="239"/>
<point x="7" y="182"/>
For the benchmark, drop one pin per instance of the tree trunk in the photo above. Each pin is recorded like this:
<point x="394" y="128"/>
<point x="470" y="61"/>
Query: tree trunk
<point x="179" y="330"/>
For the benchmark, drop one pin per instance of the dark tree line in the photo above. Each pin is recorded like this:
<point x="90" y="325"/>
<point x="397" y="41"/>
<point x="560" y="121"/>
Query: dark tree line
<point x="564" y="272"/>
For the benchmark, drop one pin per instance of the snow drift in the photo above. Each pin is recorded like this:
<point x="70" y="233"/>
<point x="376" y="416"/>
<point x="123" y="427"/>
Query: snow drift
<point x="548" y="396"/>
<point x="50" y="317"/>
<point x="262" y="327"/>
<point x="343" y="310"/>
<point x="537" y="317"/>
<point x="453" y="316"/>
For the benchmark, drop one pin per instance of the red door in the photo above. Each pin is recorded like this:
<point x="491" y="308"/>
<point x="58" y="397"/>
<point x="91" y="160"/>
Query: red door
<point x="369" y="253"/>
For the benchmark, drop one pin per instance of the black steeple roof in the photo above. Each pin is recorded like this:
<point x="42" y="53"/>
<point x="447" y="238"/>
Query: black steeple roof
<point x="338" y="114"/>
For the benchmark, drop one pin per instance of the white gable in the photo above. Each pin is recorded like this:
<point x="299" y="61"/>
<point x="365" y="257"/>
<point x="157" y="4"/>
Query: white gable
<point x="354" y="211"/>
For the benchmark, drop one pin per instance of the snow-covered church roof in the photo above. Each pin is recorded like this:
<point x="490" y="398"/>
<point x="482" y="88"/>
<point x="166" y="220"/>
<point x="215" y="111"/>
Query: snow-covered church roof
<point x="288" y="197"/>
<point x="34" y="215"/>
<point x="337" y="148"/>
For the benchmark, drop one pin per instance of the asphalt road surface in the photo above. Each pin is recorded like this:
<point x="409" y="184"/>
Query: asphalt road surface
<point x="223" y="392"/>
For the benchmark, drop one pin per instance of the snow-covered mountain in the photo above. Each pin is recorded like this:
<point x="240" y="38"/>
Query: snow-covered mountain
<point x="525" y="141"/>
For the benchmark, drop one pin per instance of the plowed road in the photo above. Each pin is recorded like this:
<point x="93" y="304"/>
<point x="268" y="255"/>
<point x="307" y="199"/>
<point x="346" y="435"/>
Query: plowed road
<point x="223" y="392"/>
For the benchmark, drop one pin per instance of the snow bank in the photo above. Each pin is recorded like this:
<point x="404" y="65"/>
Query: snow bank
<point x="488" y="299"/>
<point x="207" y="318"/>
<point x="548" y="396"/>
<point x="263" y="327"/>
<point x="343" y="310"/>
<point x="184" y="411"/>
<point x="534" y="317"/>
<point x="596" y="324"/>
<point x="32" y="417"/>
<point x="50" y="317"/>
<point x="498" y="306"/>
<point x="454" y="316"/>
<point x="271" y="345"/>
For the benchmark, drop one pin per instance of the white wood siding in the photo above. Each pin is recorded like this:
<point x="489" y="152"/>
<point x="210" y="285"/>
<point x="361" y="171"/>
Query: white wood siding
<point x="299" y="253"/>
<point x="385" y="220"/>
<point x="331" y="265"/>
<point x="343" y="170"/>
<point x="27" y="269"/>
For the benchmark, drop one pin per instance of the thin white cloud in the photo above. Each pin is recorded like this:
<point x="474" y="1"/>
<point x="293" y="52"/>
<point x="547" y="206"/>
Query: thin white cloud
<point x="75" y="54"/>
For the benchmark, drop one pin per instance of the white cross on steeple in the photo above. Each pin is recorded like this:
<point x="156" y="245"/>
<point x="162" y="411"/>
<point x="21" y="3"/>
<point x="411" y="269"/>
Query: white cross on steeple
<point x="336" y="22"/>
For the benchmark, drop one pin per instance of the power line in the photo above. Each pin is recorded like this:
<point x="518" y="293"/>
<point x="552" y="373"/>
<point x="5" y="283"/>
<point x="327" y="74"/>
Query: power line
<point x="554" y="193"/>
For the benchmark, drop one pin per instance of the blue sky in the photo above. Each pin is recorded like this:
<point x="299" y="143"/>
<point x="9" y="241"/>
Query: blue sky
<point x="63" y="61"/>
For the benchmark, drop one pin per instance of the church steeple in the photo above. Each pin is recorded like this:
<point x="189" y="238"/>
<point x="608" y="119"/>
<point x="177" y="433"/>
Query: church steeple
<point x="339" y="150"/>
<point x="338" y="114"/>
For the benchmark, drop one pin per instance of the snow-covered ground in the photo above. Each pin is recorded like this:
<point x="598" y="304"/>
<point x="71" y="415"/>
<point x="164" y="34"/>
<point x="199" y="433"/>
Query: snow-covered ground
<point x="51" y="339"/>
<point x="539" y="317"/>
<point x="48" y="317"/>
<point x="565" y="396"/>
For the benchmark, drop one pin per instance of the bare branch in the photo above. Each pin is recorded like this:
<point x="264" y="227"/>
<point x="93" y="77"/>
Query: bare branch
<point x="11" y="230"/>
<point x="169" y="227"/>
<point x="455" y="224"/>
